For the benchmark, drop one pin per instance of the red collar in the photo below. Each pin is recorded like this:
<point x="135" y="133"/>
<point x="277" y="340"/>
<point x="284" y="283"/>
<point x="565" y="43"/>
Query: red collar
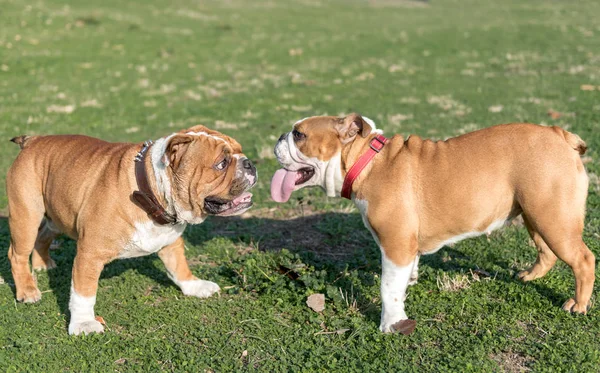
<point x="377" y="143"/>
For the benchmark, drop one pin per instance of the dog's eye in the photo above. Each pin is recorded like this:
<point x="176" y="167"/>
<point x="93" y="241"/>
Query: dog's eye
<point x="298" y="135"/>
<point x="222" y="165"/>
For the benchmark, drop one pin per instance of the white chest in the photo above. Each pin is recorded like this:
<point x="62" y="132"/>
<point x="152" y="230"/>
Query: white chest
<point x="149" y="238"/>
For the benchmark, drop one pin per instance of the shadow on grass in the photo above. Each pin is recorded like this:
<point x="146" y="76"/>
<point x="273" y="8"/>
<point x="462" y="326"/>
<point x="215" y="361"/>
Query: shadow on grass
<point x="329" y="241"/>
<point x="4" y="244"/>
<point x="333" y="241"/>
<point x="59" y="278"/>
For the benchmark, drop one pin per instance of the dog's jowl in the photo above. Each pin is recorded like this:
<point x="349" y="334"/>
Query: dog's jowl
<point x="415" y="195"/>
<point x="119" y="200"/>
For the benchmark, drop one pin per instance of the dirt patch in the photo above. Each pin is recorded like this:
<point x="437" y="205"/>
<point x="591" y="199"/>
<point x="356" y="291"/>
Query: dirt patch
<point x="509" y="361"/>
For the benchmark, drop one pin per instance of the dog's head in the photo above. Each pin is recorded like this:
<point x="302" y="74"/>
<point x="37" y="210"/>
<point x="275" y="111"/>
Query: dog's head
<point x="203" y="172"/>
<point x="310" y="154"/>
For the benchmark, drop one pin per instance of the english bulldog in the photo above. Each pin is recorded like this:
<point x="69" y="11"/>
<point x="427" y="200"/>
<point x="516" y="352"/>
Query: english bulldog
<point x="119" y="200"/>
<point x="416" y="196"/>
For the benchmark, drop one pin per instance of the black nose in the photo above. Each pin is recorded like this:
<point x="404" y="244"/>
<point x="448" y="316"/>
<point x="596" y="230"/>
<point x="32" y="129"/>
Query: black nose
<point x="247" y="164"/>
<point x="282" y="136"/>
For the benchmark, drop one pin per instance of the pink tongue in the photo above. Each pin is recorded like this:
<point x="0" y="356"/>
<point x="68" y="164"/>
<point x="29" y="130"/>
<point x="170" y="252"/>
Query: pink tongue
<point x="282" y="185"/>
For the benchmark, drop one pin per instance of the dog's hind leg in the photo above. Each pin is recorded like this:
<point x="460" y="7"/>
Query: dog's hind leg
<point x="40" y="259"/>
<point x="559" y="220"/>
<point x="545" y="259"/>
<point x="25" y="213"/>
<point x="582" y="262"/>
<point x="573" y="251"/>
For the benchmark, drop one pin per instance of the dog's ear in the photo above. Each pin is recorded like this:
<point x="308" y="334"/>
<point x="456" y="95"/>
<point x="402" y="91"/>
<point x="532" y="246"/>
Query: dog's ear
<point x="352" y="125"/>
<point x="176" y="148"/>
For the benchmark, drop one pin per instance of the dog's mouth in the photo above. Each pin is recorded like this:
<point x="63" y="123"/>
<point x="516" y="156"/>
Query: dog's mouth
<point x="285" y="181"/>
<point x="304" y="174"/>
<point x="222" y="207"/>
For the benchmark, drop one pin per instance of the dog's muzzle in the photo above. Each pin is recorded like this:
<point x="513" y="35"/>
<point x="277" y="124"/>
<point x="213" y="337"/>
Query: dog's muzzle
<point x="246" y="178"/>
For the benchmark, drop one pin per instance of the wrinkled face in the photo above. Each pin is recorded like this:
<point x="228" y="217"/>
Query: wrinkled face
<point x="310" y="154"/>
<point x="208" y="174"/>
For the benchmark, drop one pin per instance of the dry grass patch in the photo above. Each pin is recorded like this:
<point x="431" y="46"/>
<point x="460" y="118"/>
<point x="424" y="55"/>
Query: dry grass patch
<point x="456" y="283"/>
<point x="512" y="361"/>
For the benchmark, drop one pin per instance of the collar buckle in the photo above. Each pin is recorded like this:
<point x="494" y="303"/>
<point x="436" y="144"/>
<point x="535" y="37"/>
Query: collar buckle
<point x="377" y="144"/>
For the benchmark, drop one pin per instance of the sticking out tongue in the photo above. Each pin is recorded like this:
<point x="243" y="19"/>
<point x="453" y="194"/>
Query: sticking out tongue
<point x="282" y="185"/>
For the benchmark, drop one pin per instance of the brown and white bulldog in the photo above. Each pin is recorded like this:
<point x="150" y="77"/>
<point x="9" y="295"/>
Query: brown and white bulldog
<point x="119" y="200"/>
<point x="415" y="196"/>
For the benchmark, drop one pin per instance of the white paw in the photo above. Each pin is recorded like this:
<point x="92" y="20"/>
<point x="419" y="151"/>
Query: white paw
<point x="85" y="327"/>
<point x="199" y="288"/>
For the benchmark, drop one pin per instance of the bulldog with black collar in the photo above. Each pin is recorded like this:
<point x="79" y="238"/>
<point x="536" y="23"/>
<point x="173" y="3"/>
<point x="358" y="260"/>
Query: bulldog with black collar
<point x="415" y="196"/>
<point x="119" y="200"/>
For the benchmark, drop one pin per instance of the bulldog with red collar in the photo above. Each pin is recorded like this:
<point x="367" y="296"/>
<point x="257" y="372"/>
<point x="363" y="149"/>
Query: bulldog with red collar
<point x="415" y="196"/>
<point x="119" y="200"/>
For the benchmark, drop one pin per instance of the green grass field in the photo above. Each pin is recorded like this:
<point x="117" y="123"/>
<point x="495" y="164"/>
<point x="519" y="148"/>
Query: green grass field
<point x="137" y="70"/>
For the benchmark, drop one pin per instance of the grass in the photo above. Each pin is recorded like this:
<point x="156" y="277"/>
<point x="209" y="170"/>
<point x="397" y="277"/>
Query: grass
<point x="130" y="71"/>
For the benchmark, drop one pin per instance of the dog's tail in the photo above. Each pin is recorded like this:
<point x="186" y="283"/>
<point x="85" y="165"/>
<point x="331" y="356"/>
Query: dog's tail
<point x="21" y="140"/>
<point x="573" y="140"/>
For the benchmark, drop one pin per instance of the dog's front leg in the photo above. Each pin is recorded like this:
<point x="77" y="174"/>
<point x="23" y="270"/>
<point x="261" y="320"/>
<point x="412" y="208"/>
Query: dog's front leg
<point x="394" y="281"/>
<point x="84" y="285"/>
<point x="177" y="267"/>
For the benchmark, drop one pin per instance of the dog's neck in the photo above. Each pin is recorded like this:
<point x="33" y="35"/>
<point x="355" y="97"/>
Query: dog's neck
<point x="162" y="183"/>
<point x="158" y="175"/>
<point x="352" y="152"/>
